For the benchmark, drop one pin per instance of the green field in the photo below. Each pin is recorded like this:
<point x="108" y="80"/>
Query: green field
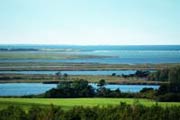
<point x="67" y="103"/>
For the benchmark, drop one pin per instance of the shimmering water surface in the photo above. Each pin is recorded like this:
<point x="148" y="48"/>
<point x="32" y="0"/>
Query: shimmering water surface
<point x="119" y="54"/>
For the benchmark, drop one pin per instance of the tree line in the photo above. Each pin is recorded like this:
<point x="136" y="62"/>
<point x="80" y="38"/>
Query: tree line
<point x="169" y="74"/>
<point x="171" y="90"/>
<point x="81" y="88"/>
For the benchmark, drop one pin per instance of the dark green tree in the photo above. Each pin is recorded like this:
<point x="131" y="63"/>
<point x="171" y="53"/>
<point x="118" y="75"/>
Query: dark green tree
<point x="101" y="83"/>
<point x="65" y="76"/>
<point x="113" y="74"/>
<point x="58" y="75"/>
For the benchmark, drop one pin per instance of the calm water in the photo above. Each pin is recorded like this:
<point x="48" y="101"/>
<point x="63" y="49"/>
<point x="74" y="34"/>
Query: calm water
<point x="128" y="88"/>
<point x="123" y="54"/>
<point x="18" y="89"/>
<point x="118" y="72"/>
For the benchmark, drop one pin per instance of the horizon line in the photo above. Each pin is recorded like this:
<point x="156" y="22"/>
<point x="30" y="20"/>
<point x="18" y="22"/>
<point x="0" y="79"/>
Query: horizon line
<point x="91" y="44"/>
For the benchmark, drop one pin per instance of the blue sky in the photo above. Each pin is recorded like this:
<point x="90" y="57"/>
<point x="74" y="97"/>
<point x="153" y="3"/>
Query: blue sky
<point x="90" y="22"/>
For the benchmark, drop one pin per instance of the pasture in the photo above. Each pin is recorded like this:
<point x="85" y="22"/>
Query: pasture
<point x="67" y="103"/>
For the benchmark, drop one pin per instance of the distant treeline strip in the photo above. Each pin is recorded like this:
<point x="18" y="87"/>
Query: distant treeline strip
<point x="168" y="74"/>
<point x="18" y="49"/>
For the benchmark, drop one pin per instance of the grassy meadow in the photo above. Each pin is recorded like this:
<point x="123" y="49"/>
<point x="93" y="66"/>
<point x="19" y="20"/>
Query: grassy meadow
<point x="67" y="103"/>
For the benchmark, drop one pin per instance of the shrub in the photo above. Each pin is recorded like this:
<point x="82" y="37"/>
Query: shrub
<point x="169" y="97"/>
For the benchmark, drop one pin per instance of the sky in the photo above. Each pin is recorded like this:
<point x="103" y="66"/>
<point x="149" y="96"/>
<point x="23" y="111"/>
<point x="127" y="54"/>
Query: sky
<point x="90" y="22"/>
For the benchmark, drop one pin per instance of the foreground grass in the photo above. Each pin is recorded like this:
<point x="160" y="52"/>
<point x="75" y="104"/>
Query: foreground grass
<point x="67" y="103"/>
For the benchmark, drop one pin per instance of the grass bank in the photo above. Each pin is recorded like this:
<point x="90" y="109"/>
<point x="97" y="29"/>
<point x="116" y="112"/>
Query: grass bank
<point x="67" y="103"/>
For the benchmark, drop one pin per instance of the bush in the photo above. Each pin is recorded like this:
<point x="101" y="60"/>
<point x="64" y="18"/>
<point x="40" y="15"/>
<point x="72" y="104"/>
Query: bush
<point x="169" y="97"/>
<point x="74" y="89"/>
<point x="13" y="113"/>
<point x="119" y="112"/>
<point x="146" y="90"/>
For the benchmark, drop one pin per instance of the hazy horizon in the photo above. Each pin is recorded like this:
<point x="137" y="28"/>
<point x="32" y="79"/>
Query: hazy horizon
<point x="94" y="44"/>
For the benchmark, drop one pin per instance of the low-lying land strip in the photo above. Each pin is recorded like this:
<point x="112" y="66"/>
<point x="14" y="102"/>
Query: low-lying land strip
<point x="27" y="66"/>
<point x="20" y="78"/>
<point x="12" y="55"/>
